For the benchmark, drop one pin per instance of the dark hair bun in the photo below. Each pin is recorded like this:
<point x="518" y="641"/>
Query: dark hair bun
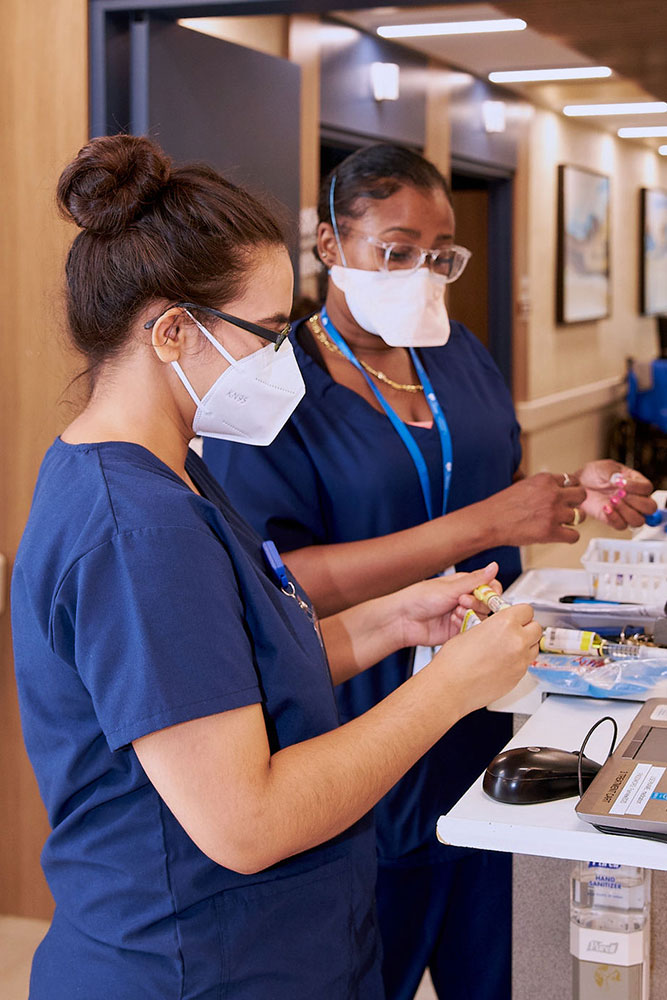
<point x="112" y="181"/>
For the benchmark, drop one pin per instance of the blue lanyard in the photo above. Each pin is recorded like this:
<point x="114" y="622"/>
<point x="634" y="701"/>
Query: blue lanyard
<point x="400" y="428"/>
<point x="279" y="574"/>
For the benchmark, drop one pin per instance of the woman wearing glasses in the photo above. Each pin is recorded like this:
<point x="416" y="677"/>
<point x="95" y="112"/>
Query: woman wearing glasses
<point x="210" y="817"/>
<point x="405" y="420"/>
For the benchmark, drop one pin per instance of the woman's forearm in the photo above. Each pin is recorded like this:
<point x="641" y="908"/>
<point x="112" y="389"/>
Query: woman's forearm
<point x="339" y="576"/>
<point x="333" y="780"/>
<point x="248" y="808"/>
<point x="357" y="638"/>
<point x="536" y="509"/>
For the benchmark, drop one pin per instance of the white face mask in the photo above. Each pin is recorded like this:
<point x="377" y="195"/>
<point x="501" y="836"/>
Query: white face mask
<point x="405" y="308"/>
<point x="253" y="399"/>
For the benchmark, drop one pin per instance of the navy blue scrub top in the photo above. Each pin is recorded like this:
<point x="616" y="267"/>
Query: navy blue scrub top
<point x="338" y="472"/>
<point x="138" y="605"/>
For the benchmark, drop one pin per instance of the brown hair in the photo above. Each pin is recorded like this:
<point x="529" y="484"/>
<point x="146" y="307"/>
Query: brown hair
<point x="151" y="230"/>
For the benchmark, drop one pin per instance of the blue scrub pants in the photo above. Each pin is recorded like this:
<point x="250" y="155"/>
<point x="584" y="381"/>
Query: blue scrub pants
<point x="453" y="917"/>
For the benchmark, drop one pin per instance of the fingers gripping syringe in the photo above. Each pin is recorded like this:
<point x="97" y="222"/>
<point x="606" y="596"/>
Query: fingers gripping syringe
<point x="488" y="596"/>
<point x="555" y="640"/>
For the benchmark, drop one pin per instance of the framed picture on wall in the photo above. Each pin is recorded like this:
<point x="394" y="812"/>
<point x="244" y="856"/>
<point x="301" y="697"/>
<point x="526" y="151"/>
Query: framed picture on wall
<point x="583" y="286"/>
<point x="653" y="258"/>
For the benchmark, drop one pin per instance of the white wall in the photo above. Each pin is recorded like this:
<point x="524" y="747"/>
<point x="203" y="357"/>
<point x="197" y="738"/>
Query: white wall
<point x="562" y="356"/>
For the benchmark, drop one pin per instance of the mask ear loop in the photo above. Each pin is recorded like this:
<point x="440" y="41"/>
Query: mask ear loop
<point x="332" y="212"/>
<point x="218" y="346"/>
<point x="211" y="339"/>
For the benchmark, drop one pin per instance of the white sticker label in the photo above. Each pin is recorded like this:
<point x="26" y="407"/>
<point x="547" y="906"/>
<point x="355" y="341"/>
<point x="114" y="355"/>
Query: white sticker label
<point x="632" y="786"/>
<point x="644" y="794"/>
<point x="659" y="713"/>
<point x="606" y="947"/>
<point x="637" y="790"/>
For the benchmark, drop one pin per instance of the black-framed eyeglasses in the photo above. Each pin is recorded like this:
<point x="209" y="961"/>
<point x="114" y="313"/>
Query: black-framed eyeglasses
<point x="243" y="324"/>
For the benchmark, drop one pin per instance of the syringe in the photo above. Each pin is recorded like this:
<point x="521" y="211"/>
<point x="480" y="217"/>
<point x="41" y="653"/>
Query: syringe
<point x="557" y="640"/>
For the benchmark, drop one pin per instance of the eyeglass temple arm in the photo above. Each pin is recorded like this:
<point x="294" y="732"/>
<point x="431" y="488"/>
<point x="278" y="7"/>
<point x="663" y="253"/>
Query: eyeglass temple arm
<point x="276" y="338"/>
<point x="244" y="324"/>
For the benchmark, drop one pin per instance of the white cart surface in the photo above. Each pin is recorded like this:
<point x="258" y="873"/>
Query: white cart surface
<point x="552" y="829"/>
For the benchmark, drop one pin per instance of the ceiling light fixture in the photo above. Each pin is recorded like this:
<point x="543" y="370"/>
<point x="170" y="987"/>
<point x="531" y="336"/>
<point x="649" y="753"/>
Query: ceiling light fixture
<point x="542" y="75"/>
<point x="662" y="150"/>
<point x="450" y="28"/>
<point x="643" y="133"/>
<point x="628" y="108"/>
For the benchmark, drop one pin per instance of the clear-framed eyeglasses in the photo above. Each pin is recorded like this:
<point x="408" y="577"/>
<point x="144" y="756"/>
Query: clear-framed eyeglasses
<point x="449" y="262"/>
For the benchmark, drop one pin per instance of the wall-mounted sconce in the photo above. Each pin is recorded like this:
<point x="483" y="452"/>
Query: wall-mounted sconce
<point x="493" y="116"/>
<point x="384" y="81"/>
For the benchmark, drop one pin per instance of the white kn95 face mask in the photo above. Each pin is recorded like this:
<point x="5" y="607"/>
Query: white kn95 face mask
<point x="404" y="308"/>
<point x="250" y="401"/>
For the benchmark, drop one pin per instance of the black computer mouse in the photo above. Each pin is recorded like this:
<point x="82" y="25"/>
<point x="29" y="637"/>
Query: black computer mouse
<point x="526" y="775"/>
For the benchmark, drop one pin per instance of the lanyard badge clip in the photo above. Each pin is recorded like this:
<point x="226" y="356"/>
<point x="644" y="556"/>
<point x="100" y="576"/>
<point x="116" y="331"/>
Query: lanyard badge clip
<point x="279" y="572"/>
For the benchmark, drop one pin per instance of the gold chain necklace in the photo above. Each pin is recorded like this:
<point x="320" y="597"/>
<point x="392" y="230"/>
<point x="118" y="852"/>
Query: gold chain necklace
<point x="316" y="327"/>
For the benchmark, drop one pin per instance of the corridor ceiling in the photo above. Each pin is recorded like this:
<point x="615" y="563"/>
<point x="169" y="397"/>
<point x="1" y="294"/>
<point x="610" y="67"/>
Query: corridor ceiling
<point x="629" y="37"/>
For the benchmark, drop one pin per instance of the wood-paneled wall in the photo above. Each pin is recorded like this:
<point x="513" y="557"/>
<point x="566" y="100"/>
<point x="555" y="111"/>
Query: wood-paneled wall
<point x="43" y="122"/>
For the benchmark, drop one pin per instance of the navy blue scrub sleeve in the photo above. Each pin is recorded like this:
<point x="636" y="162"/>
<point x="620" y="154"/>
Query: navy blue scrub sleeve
<point x="159" y="635"/>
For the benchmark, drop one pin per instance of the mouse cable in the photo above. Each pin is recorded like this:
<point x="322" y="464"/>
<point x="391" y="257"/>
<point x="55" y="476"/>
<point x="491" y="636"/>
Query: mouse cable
<point x="606" y="718"/>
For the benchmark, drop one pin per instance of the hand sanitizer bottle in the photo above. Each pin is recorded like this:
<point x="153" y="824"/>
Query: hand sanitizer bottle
<point x="610" y="931"/>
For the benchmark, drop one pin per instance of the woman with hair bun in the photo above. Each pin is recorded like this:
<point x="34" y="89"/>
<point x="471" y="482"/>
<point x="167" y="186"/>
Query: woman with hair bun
<point x="211" y="825"/>
<point x="403" y="461"/>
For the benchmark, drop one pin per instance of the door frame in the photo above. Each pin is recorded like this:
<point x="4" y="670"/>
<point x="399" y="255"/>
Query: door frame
<point x="500" y="244"/>
<point x="110" y="24"/>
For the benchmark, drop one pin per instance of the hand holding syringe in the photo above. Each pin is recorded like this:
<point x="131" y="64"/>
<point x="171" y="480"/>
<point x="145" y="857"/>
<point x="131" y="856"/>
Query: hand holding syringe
<point x="556" y="640"/>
